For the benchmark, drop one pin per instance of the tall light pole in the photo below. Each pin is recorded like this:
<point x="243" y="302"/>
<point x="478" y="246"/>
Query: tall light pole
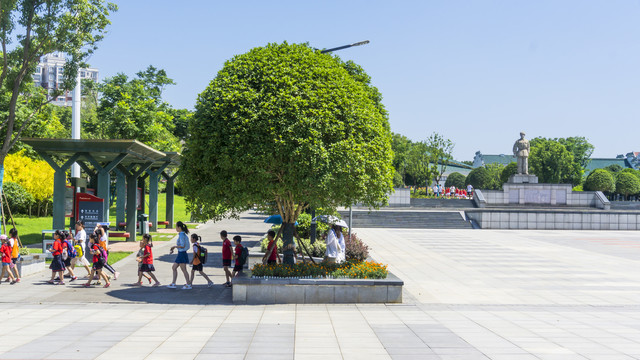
<point x="313" y="211"/>
<point x="75" y="120"/>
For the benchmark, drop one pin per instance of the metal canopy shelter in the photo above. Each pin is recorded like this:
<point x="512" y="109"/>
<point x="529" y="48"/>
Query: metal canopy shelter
<point x="130" y="160"/>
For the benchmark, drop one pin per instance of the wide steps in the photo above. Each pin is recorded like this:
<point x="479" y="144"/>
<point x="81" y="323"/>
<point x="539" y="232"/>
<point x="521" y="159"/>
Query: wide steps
<point x="407" y="219"/>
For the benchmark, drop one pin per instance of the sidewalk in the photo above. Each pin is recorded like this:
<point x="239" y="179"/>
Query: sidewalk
<point x="469" y="294"/>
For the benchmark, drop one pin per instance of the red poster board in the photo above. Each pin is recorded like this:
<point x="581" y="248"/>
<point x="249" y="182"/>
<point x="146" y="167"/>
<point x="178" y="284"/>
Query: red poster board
<point x="139" y="198"/>
<point x="89" y="209"/>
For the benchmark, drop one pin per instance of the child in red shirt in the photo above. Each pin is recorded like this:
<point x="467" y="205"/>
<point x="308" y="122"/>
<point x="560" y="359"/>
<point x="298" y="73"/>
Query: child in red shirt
<point x="57" y="264"/>
<point x="237" y="256"/>
<point x="271" y="255"/>
<point x="147" y="261"/>
<point x="5" y="250"/>
<point x="98" y="261"/>
<point x="226" y="256"/>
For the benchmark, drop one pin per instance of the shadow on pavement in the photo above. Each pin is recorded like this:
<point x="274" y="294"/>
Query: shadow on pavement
<point x="199" y="295"/>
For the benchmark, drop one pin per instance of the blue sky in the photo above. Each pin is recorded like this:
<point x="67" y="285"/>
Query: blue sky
<point x="477" y="72"/>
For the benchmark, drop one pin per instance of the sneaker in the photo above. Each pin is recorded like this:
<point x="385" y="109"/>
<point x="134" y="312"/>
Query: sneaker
<point x="210" y="284"/>
<point x="171" y="286"/>
<point x="115" y="275"/>
<point x="61" y="283"/>
<point x="13" y="282"/>
<point x="187" y="287"/>
<point x="156" y="284"/>
<point x="137" y="284"/>
<point x="149" y="280"/>
<point x="86" y="284"/>
<point x="107" y="285"/>
<point x="97" y="283"/>
<point x="73" y="278"/>
<point x="18" y="280"/>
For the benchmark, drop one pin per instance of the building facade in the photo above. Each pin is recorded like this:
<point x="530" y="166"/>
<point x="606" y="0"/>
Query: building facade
<point x="49" y="74"/>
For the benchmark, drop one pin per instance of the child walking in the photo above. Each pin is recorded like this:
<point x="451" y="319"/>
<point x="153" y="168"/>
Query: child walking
<point x="226" y="256"/>
<point x="80" y="242"/>
<point x="182" y="259"/>
<point x="237" y="256"/>
<point x="57" y="264"/>
<point x="5" y="250"/>
<point x="145" y="261"/>
<point x="196" y="263"/>
<point x="15" y="253"/>
<point x="98" y="262"/>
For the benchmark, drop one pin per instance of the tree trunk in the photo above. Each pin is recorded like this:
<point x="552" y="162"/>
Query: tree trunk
<point x="287" y="244"/>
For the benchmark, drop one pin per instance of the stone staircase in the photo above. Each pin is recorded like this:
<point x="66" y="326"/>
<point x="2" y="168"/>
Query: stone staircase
<point x="407" y="219"/>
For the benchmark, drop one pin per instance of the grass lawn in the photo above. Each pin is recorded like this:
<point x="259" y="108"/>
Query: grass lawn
<point x="115" y="256"/>
<point x="30" y="228"/>
<point x="179" y="209"/>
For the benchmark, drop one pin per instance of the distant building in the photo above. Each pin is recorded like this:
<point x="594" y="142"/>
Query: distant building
<point x="49" y="75"/>
<point x="481" y="159"/>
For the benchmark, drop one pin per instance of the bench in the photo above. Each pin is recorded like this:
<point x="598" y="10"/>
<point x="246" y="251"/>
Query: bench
<point x="165" y="223"/>
<point x="125" y="235"/>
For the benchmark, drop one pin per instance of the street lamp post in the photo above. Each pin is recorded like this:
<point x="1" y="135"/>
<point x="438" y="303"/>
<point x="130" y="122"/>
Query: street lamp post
<point x="313" y="211"/>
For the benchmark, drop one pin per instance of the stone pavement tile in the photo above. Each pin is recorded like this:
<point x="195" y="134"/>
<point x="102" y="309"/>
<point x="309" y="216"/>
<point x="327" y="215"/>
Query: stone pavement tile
<point x="214" y="356"/>
<point x="357" y="356"/>
<point x="416" y="357"/>
<point x="317" y="356"/>
<point x="172" y="356"/>
<point x="268" y="356"/>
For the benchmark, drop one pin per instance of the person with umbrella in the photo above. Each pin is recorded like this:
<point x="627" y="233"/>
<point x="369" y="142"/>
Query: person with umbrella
<point x="335" y="239"/>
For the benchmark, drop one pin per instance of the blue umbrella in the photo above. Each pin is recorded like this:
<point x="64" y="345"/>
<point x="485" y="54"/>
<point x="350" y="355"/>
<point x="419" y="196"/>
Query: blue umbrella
<point x="275" y="219"/>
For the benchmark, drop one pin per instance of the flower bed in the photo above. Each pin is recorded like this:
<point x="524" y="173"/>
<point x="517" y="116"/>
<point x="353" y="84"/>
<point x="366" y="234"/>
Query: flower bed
<point x="348" y="270"/>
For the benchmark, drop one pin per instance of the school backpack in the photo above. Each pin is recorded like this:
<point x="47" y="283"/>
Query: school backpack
<point x="202" y="254"/>
<point x="244" y="256"/>
<point x="71" y="251"/>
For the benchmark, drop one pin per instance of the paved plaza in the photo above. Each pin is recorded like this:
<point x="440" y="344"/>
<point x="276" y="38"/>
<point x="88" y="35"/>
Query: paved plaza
<point x="469" y="294"/>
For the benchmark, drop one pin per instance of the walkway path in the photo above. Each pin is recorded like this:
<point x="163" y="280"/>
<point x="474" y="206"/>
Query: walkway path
<point x="469" y="294"/>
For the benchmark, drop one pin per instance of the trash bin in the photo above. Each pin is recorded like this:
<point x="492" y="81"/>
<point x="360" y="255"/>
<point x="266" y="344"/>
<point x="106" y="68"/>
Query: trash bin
<point x="144" y="223"/>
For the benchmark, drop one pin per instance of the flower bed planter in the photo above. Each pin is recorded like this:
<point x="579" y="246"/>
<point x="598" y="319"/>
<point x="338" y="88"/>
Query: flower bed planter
<point x="316" y="291"/>
<point x="31" y="264"/>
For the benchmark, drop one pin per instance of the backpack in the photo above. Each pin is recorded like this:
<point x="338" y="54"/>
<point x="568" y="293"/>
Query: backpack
<point x="244" y="256"/>
<point x="78" y="250"/>
<point x="202" y="254"/>
<point x="71" y="251"/>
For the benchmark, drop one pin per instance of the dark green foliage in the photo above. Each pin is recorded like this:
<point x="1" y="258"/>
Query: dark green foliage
<point x="304" y="226"/>
<point x="508" y="170"/>
<point x="600" y="180"/>
<point x="627" y="184"/>
<point x="19" y="199"/>
<point x="455" y="179"/>
<point x="481" y="178"/>
<point x="397" y="180"/>
<point x="553" y="163"/>
<point x="614" y="168"/>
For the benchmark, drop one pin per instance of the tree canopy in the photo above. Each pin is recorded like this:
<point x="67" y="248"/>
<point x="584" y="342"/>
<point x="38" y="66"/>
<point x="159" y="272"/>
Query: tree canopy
<point x="553" y="163"/>
<point x="627" y="184"/>
<point x="284" y="123"/>
<point x="455" y="179"/>
<point x="600" y="180"/>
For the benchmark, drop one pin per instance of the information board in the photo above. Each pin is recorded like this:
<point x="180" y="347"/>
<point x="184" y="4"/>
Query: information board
<point x="89" y="209"/>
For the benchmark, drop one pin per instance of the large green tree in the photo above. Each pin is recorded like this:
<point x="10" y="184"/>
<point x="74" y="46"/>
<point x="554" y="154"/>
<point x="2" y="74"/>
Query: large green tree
<point x="419" y="165"/>
<point x="440" y="150"/>
<point x="133" y="109"/>
<point x="39" y="27"/>
<point x="401" y="146"/>
<point x="284" y="123"/>
<point x="553" y="163"/>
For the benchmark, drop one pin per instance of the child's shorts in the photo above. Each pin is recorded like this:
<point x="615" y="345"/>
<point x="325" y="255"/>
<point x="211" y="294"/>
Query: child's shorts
<point x="98" y="265"/>
<point x="197" y="267"/>
<point x="226" y="262"/>
<point x="182" y="258"/>
<point x="15" y="260"/>
<point x="6" y="264"/>
<point x="238" y="268"/>
<point x="147" y="268"/>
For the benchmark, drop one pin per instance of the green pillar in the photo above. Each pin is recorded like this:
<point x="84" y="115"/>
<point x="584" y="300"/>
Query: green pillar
<point x="170" y="189"/>
<point x="59" y="188"/>
<point x="154" y="176"/>
<point x="104" y="180"/>
<point x="121" y="196"/>
<point x="132" y="187"/>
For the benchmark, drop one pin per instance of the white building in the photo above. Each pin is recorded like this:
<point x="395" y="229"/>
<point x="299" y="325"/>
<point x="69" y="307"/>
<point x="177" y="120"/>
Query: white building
<point x="49" y="75"/>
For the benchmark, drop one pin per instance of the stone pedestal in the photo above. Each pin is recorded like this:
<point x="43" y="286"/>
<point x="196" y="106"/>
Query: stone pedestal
<point x="523" y="179"/>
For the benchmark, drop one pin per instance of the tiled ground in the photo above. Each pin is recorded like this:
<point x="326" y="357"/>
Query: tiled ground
<point x="469" y="294"/>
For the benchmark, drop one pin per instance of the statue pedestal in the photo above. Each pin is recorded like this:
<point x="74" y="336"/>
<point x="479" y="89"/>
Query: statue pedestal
<point x="523" y="179"/>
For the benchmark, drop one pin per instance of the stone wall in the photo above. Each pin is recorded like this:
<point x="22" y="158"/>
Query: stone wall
<point x="317" y="291"/>
<point x="555" y="220"/>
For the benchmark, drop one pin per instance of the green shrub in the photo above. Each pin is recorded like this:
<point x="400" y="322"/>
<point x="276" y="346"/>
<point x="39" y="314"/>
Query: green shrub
<point x="19" y="199"/>
<point x="455" y="179"/>
<point x="600" y="180"/>
<point x="483" y="178"/>
<point x="304" y="226"/>
<point x="354" y="270"/>
<point x="508" y="170"/>
<point x="627" y="184"/>
<point x="317" y="249"/>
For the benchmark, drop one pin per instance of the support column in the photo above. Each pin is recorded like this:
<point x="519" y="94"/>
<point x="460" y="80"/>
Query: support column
<point x="132" y="187"/>
<point x="153" y="195"/>
<point x="121" y="196"/>
<point x="104" y="180"/>
<point x="170" y="189"/>
<point x="59" y="189"/>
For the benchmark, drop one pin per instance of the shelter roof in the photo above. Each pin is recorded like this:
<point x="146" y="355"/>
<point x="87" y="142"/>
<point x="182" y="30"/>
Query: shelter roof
<point x="104" y="150"/>
<point x="601" y="163"/>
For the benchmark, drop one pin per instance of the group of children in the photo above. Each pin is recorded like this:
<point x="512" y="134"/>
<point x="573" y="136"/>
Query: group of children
<point x="10" y="250"/>
<point x="68" y="252"/>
